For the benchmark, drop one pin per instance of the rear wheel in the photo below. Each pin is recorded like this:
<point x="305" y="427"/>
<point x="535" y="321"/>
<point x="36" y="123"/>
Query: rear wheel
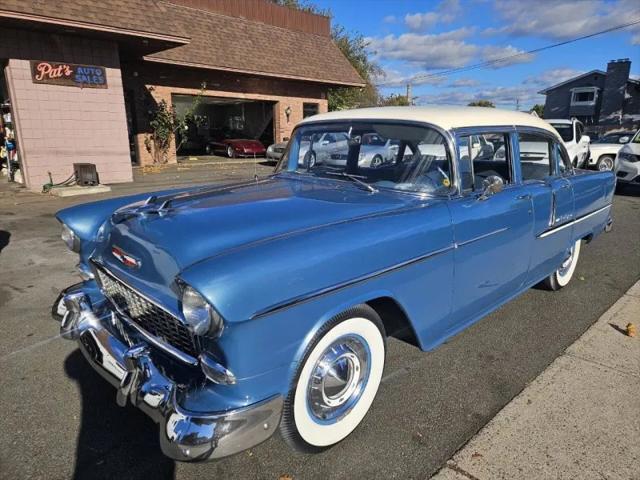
<point x="605" y="163"/>
<point x="562" y="276"/>
<point x="376" y="161"/>
<point x="336" y="382"/>
<point x="230" y="152"/>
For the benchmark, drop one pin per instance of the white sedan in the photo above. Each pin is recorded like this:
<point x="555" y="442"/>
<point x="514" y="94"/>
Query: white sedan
<point x="605" y="149"/>
<point x="628" y="161"/>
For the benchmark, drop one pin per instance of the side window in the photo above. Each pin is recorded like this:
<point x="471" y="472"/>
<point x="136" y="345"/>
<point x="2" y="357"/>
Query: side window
<point x="482" y="156"/>
<point x="535" y="156"/>
<point x="562" y="159"/>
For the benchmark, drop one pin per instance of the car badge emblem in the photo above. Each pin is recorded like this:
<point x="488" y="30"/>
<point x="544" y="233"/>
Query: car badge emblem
<point x="126" y="259"/>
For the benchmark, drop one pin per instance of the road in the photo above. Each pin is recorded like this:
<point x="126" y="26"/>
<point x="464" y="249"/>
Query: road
<point x="60" y="420"/>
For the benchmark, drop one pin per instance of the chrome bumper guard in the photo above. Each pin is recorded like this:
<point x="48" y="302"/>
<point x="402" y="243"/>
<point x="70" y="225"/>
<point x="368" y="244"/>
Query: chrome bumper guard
<point x="184" y="435"/>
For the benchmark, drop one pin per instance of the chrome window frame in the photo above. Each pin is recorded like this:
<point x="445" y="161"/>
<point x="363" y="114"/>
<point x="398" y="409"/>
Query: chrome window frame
<point x="507" y="130"/>
<point x="551" y="137"/>
<point x="449" y="144"/>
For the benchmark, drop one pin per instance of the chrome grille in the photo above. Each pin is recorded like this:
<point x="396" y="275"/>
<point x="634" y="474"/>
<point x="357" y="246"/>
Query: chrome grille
<point x="146" y="314"/>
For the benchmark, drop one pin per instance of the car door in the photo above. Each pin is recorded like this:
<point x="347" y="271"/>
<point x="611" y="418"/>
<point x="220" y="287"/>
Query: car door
<point x="544" y="169"/>
<point x="492" y="232"/>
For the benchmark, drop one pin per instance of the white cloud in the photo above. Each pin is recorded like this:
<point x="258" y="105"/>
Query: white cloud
<point x="564" y="19"/>
<point x="390" y="19"/>
<point x="501" y="96"/>
<point x="464" y="83"/>
<point x="505" y="56"/>
<point x="442" y="50"/>
<point x="552" y="76"/>
<point x="394" y="78"/>
<point x="445" y="12"/>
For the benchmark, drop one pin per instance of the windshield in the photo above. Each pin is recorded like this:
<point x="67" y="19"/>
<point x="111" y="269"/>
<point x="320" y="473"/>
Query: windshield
<point x="636" y="138"/>
<point x="565" y="130"/>
<point x="380" y="154"/>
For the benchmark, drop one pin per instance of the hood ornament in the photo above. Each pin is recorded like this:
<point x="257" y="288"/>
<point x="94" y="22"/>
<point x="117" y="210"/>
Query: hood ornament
<point x="124" y="258"/>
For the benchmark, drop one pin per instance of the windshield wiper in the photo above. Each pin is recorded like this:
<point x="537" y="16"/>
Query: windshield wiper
<point x="354" y="179"/>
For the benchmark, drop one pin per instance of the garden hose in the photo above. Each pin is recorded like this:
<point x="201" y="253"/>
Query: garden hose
<point x="46" y="188"/>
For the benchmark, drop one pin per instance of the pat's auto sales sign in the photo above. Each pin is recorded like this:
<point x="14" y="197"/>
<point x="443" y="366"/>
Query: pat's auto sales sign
<point x="68" y="74"/>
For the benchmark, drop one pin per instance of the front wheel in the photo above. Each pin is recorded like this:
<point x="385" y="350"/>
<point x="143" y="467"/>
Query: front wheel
<point x="562" y="276"/>
<point x="605" y="163"/>
<point x="336" y="382"/>
<point x="230" y="152"/>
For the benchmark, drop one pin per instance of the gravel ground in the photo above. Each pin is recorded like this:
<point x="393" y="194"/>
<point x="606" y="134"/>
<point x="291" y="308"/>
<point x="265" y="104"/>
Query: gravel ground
<point x="60" y="419"/>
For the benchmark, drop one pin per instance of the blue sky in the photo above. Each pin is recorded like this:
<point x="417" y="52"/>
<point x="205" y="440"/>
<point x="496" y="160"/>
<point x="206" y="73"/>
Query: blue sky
<point x="411" y="37"/>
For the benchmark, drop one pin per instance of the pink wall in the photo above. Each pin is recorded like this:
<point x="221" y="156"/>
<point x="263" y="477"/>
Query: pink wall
<point x="61" y="125"/>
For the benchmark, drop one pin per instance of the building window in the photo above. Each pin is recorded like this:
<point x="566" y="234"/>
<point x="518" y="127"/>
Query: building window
<point x="309" y="109"/>
<point x="584" y="96"/>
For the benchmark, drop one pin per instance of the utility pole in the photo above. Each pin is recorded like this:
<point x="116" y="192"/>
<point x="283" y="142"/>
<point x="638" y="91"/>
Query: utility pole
<point x="409" y="97"/>
<point x="517" y="104"/>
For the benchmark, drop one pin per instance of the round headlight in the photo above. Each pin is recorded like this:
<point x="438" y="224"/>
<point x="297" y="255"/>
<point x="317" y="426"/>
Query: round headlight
<point x="200" y="317"/>
<point x="70" y="239"/>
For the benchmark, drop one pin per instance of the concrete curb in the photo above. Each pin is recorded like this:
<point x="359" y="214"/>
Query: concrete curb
<point x="578" y="419"/>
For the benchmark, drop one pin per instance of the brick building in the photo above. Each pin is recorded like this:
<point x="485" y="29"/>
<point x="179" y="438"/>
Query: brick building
<point x="80" y="78"/>
<point x="601" y="100"/>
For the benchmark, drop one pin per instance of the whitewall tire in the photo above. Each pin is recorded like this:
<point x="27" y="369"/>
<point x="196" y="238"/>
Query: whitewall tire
<point x="336" y="382"/>
<point x="562" y="276"/>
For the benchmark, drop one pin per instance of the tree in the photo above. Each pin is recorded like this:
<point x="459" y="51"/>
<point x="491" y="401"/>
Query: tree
<point x="166" y="126"/>
<point x="481" y="103"/>
<point x="538" y="108"/>
<point x="394" y="100"/>
<point x="354" y="47"/>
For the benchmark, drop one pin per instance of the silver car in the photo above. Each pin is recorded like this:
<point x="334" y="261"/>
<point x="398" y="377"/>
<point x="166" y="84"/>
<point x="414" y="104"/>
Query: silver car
<point x="276" y="150"/>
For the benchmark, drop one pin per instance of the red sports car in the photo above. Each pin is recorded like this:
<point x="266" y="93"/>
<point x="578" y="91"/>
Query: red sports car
<point x="232" y="144"/>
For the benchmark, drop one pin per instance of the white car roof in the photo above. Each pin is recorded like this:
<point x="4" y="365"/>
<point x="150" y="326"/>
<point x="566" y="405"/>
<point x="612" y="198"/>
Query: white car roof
<point x="446" y="118"/>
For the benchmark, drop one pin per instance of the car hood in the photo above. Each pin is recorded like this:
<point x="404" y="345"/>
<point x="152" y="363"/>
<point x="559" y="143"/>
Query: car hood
<point x="631" y="148"/>
<point x="166" y="238"/>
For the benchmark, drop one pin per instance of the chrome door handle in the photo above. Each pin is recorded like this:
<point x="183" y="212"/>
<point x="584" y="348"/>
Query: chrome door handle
<point x="565" y="186"/>
<point x="526" y="196"/>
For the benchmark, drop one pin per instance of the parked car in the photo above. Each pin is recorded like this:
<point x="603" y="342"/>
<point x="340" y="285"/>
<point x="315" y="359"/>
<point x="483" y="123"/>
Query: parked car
<point x="275" y="151"/>
<point x="233" y="144"/>
<point x="628" y="161"/>
<point x="319" y="147"/>
<point x="227" y="313"/>
<point x="374" y="151"/>
<point x="605" y="149"/>
<point x="576" y="142"/>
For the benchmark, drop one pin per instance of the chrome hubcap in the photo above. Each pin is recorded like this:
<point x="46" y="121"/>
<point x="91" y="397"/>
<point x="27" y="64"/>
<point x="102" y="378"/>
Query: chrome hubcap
<point x="338" y="379"/>
<point x="605" y="164"/>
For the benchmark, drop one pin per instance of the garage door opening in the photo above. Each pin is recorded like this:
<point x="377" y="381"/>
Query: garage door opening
<point x="221" y="120"/>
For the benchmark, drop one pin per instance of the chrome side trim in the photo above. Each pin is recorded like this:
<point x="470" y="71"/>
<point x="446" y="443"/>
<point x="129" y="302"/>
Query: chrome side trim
<point x="480" y="237"/>
<point x="339" y="286"/>
<point x="546" y="233"/>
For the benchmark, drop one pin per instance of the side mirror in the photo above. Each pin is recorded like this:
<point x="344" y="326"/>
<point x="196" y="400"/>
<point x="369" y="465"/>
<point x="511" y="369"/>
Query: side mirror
<point x="623" y="139"/>
<point x="491" y="185"/>
<point x="586" y="138"/>
<point x="324" y="142"/>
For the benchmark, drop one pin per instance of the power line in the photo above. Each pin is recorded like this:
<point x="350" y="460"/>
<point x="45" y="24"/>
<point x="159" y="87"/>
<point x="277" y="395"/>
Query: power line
<point x="488" y="63"/>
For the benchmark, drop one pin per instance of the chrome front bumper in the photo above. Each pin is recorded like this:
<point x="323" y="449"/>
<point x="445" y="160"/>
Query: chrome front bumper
<point x="184" y="435"/>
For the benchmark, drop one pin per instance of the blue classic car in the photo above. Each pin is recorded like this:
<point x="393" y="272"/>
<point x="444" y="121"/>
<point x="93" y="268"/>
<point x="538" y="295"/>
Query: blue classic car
<point x="229" y="312"/>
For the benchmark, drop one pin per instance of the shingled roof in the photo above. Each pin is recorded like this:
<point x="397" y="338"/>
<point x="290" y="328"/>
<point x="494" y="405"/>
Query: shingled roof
<point x="144" y="18"/>
<point x="203" y="38"/>
<point x="236" y="44"/>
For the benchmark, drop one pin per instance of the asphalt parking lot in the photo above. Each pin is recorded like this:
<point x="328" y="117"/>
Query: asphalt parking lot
<point x="60" y="420"/>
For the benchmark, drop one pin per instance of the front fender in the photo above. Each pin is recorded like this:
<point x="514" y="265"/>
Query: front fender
<point x="85" y="219"/>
